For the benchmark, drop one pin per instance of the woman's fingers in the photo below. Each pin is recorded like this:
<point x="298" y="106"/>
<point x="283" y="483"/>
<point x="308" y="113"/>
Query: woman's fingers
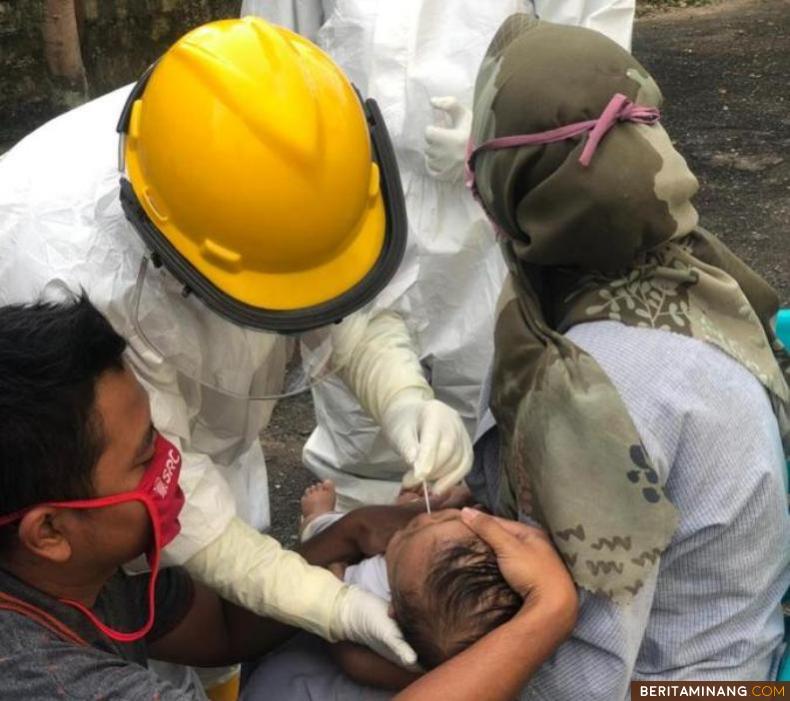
<point x="489" y="529"/>
<point x="520" y="531"/>
<point x="527" y="559"/>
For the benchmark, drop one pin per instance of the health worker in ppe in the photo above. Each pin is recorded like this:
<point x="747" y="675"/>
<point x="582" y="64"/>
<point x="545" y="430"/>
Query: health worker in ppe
<point x="258" y="193"/>
<point x="418" y="60"/>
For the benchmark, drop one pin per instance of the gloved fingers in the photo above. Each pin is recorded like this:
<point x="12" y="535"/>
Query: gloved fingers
<point x="429" y="445"/>
<point x="392" y="645"/>
<point x="366" y="620"/>
<point x="452" y="471"/>
<point x="447" y="454"/>
<point x="443" y="102"/>
<point x="437" y="137"/>
<point x="455" y="110"/>
<point x="433" y="173"/>
<point x="455" y="477"/>
<point x="437" y="170"/>
<point x="445" y="175"/>
<point x="457" y="466"/>
<point x="410" y="480"/>
<point x="437" y="166"/>
<point x="435" y="154"/>
<point x="448" y="142"/>
<point x="444" y="427"/>
<point x="444" y="442"/>
<point x="403" y="439"/>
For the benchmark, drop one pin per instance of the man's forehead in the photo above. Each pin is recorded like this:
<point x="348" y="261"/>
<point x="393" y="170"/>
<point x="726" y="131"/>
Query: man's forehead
<point x="123" y="406"/>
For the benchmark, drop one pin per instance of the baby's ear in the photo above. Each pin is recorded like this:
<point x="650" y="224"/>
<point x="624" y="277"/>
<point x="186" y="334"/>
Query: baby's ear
<point x="391" y="611"/>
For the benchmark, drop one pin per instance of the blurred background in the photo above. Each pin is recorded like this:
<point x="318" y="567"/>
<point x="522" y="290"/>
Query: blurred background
<point x="56" y="54"/>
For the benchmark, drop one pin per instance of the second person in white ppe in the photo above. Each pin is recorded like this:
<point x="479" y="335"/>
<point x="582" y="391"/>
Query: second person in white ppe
<point x="418" y="59"/>
<point x="262" y="197"/>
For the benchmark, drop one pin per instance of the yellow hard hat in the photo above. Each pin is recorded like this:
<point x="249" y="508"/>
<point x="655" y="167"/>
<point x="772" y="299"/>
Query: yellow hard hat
<point x="257" y="175"/>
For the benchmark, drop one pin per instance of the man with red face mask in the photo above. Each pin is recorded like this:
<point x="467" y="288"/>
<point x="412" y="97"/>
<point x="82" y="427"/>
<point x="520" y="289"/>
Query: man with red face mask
<point x="87" y="483"/>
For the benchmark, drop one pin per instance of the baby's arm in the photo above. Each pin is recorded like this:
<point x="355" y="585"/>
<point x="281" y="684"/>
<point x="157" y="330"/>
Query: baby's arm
<point x="365" y="667"/>
<point x="360" y="533"/>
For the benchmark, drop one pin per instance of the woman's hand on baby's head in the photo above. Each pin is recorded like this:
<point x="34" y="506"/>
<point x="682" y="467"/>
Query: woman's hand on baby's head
<point x="531" y="565"/>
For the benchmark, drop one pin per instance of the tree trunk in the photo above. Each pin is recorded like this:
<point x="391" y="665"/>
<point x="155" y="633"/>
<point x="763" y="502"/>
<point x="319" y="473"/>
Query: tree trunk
<point x="62" y="46"/>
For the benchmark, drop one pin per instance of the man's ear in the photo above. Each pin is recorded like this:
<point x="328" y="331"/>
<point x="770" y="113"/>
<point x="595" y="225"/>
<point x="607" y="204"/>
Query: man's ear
<point x="41" y="532"/>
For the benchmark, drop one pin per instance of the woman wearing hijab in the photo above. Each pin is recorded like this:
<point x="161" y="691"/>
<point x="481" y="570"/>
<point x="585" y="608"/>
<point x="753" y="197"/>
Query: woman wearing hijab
<point x="638" y="397"/>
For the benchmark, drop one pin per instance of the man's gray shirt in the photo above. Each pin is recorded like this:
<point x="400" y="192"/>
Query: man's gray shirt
<point x="37" y="664"/>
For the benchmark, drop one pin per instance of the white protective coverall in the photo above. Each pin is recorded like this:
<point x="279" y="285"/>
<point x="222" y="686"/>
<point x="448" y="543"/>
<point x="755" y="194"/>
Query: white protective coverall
<point x="403" y="54"/>
<point x="62" y="229"/>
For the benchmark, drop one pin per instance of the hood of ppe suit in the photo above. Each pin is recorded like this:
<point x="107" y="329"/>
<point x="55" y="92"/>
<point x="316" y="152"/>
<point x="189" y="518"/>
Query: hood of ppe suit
<point x="635" y="192"/>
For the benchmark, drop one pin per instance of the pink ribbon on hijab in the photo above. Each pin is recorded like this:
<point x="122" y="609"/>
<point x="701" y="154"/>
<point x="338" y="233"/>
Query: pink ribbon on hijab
<point x="619" y="109"/>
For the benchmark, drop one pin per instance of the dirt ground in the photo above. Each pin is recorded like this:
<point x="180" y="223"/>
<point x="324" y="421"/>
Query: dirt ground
<point x="290" y="426"/>
<point x="723" y="70"/>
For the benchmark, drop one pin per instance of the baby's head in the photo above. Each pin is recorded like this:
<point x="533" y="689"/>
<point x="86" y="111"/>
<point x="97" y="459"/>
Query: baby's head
<point x="447" y="590"/>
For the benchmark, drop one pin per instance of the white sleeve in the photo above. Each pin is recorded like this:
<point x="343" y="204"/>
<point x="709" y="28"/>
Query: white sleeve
<point x="378" y="359"/>
<point x="253" y="570"/>
<point x="210" y="505"/>
<point x="614" y="18"/>
<point x="302" y="16"/>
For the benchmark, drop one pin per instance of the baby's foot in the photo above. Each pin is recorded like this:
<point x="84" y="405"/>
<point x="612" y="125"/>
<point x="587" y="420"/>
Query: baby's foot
<point x="317" y="499"/>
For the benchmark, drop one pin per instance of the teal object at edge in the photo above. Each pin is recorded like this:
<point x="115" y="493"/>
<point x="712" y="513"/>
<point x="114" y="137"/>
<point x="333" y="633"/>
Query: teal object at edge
<point x="783" y="326"/>
<point x="783" y="332"/>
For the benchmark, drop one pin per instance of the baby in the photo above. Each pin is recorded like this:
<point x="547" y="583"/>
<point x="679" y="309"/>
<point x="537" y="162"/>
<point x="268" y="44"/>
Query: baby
<point x="443" y="582"/>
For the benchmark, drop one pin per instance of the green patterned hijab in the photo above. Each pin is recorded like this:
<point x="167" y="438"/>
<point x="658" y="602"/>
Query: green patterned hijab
<point x="616" y="239"/>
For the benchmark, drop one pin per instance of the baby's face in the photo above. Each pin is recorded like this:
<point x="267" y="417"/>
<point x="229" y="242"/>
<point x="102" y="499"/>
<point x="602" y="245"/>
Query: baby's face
<point x="411" y="549"/>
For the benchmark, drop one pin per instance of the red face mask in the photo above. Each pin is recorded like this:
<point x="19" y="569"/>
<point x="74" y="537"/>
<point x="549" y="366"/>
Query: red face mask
<point x="163" y="499"/>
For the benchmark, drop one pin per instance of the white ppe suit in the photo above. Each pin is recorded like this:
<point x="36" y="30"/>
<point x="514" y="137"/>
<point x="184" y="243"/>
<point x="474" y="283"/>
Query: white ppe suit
<point x="62" y="229"/>
<point x="403" y="54"/>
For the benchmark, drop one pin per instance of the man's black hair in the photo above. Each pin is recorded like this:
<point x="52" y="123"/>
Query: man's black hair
<point x="51" y="356"/>
<point x="463" y="597"/>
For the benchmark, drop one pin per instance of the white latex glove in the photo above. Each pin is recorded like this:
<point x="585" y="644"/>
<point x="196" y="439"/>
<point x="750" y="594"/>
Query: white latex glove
<point x="252" y="570"/>
<point x="431" y="437"/>
<point x="445" y="152"/>
<point x="380" y="365"/>
<point x="364" y="618"/>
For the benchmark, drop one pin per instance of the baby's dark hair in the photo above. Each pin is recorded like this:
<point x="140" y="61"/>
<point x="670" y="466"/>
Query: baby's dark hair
<point x="463" y="597"/>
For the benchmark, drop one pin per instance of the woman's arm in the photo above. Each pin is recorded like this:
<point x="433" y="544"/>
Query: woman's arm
<point x="498" y="665"/>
